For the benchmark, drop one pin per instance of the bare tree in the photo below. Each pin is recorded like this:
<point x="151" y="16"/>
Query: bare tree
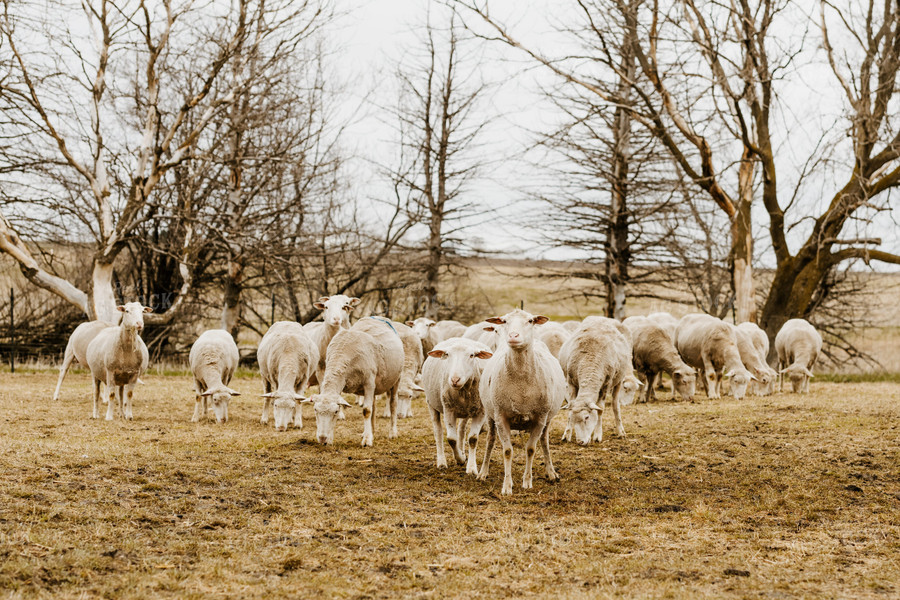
<point x="116" y="176"/>
<point x="440" y="116"/>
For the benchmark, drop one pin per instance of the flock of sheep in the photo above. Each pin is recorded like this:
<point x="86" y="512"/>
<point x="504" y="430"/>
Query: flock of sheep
<point x="506" y="373"/>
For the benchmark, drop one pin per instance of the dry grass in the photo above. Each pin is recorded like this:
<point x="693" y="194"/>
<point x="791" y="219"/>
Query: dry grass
<point x="781" y="497"/>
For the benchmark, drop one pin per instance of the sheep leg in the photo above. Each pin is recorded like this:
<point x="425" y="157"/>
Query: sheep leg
<point x="488" y="449"/>
<point x="567" y="434"/>
<point x="530" y="449"/>
<point x="453" y="435"/>
<point x="368" y="437"/>
<point x="386" y="413"/>
<point x="111" y="393"/>
<point x="503" y="434"/>
<point x="475" y="426"/>
<point x="128" y="399"/>
<point x="96" y="383"/>
<point x="392" y="405"/>
<point x="64" y="368"/>
<point x="438" y="438"/>
<point x="552" y="475"/>
<point x="709" y="378"/>
<point x="597" y="435"/>
<point x="198" y="387"/>
<point x="617" y="410"/>
<point x="267" y="402"/>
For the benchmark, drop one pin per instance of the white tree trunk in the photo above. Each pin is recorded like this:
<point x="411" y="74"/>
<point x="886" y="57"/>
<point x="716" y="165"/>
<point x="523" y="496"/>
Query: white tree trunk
<point x="103" y="298"/>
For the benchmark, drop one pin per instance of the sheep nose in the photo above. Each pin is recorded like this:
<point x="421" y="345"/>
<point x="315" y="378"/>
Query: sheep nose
<point x="323" y="439"/>
<point x="454" y="381"/>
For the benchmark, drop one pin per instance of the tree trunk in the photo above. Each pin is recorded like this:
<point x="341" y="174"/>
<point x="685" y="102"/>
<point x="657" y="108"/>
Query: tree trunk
<point x="791" y="295"/>
<point x="432" y="269"/>
<point x="231" y="307"/>
<point x="102" y="297"/>
<point x="741" y="257"/>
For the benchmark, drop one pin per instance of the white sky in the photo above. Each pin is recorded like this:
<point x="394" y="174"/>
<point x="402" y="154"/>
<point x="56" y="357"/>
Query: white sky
<point x="376" y="33"/>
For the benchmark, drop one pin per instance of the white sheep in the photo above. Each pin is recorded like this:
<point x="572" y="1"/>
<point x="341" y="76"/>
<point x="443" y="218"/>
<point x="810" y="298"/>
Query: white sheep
<point x="412" y="362"/>
<point x="366" y="360"/>
<point x="653" y="353"/>
<point x="522" y="387"/>
<point x="554" y="335"/>
<point x="798" y="345"/>
<point x="761" y="343"/>
<point x="596" y="361"/>
<point x="424" y="328"/>
<point x="287" y="358"/>
<point x="335" y="316"/>
<point x="451" y="375"/>
<point x="214" y="358"/>
<point x="709" y="345"/>
<point x="449" y="329"/>
<point x="571" y="326"/>
<point x="666" y="321"/>
<point x="117" y="356"/>
<point x="753" y="360"/>
<point x="76" y="348"/>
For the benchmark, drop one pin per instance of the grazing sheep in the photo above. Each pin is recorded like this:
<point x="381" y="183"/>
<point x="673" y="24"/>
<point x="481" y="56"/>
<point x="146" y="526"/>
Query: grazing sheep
<point x="116" y="357"/>
<point x="761" y="343"/>
<point x="596" y="361"/>
<point x="653" y="353"/>
<point x="753" y="360"/>
<point x="554" y="336"/>
<point x="798" y="345"/>
<point x="666" y="321"/>
<point x="412" y="362"/>
<point x="287" y="359"/>
<point x="366" y="360"/>
<point x="709" y="345"/>
<point x="449" y="329"/>
<point x="214" y="358"/>
<point x="451" y="375"/>
<point x="335" y="315"/>
<point x="522" y="387"/>
<point x="76" y="348"/>
<point x="630" y="387"/>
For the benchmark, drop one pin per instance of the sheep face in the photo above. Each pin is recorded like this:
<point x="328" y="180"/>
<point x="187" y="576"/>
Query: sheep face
<point x="462" y="363"/>
<point x="584" y="420"/>
<point x="798" y="374"/>
<point x="685" y="383"/>
<point x="133" y="315"/>
<point x="327" y="407"/>
<point x="421" y="326"/>
<point x="629" y="388"/>
<point x="219" y="398"/>
<point x="740" y="379"/>
<point x="284" y="408"/>
<point x="405" y="395"/>
<point x="518" y="327"/>
<point x="336" y="309"/>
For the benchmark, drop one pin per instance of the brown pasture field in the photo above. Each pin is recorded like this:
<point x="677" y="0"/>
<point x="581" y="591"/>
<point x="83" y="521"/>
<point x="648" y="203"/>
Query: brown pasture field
<point x="781" y="497"/>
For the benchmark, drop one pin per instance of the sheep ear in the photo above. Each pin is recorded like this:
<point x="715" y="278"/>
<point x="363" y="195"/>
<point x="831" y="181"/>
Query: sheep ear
<point x="148" y="309"/>
<point x="323" y="299"/>
<point x="303" y="399"/>
<point x="565" y="406"/>
<point x="269" y="395"/>
<point x="120" y="308"/>
<point x="483" y="354"/>
<point x="319" y="305"/>
<point x="206" y="393"/>
<point x="343" y="402"/>
<point x="299" y="397"/>
<point x="354" y="301"/>
<point x="540" y="320"/>
<point x="490" y="329"/>
<point x="730" y="373"/>
<point x="410" y="323"/>
<point x="495" y="320"/>
<point x="808" y="373"/>
<point x="416" y="388"/>
<point x="784" y="370"/>
<point x="639" y="382"/>
<point x="232" y="392"/>
<point x="437" y="353"/>
<point x="754" y="377"/>
<point x="593" y="406"/>
<point x="432" y="324"/>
